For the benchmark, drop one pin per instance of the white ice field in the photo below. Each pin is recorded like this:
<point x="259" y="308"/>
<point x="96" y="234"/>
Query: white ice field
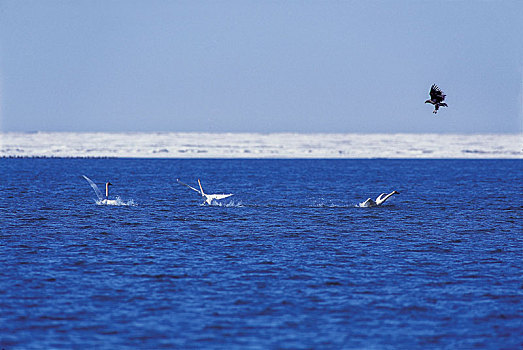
<point x="254" y="145"/>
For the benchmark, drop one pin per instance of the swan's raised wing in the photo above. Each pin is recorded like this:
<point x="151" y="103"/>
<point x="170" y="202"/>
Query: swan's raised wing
<point x="379" y="200"/>
<point x="95" y="188"/>
<point x="192" y="188"/>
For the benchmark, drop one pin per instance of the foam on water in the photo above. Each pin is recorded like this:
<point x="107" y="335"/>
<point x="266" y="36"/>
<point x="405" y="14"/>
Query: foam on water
<point x="117" y="202"/>
<point x="326" y="204"/>
<point x="362" y="205"/>
<point x="225" y="204"/>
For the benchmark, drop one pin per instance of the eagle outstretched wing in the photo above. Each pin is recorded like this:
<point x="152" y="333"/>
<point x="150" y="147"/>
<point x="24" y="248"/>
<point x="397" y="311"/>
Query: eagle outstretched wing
<point x="436" y="94"/>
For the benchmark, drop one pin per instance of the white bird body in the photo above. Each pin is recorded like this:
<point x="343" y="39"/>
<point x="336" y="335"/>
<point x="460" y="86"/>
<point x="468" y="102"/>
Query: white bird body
<point x="209" y="198"/>
<point x="379" y="201"/>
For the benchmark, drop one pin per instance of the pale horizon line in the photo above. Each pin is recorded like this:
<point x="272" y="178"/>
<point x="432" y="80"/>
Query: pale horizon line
<point x="261" y="133"/>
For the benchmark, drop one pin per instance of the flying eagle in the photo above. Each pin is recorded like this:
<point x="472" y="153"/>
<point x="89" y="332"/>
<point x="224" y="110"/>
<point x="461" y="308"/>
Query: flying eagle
<point x="436" y="98"/>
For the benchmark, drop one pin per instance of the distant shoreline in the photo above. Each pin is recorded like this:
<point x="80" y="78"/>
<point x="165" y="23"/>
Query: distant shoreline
<point x="259" y="145"/>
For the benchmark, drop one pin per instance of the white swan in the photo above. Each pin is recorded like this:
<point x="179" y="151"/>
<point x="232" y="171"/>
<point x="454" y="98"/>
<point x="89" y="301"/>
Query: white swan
<point x="379" y="201"/>
<point x="101" y="199"/>
<point x="108" y="201"/>
<point x="209" y="198"/>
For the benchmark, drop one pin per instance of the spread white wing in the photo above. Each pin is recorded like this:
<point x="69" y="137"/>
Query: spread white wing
<point x="95" y="188"/>
<point x="380" y="200"/>
<point x="192" y="188"/>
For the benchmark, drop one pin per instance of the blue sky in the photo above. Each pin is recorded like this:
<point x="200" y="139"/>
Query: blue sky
<point x="260" y="66"/>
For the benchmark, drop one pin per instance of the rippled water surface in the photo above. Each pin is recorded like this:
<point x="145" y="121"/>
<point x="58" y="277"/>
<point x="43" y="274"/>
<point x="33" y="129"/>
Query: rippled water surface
<point x="288" y="262"/>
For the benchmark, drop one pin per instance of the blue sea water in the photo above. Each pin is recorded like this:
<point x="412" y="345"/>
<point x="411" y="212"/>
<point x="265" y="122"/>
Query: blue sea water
<point x="288" y="262"/>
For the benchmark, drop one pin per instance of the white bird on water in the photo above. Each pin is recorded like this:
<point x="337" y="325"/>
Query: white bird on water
<point x="101" y="199"/>
<point x="209" y="198"/>
<point x="379" y="201"/>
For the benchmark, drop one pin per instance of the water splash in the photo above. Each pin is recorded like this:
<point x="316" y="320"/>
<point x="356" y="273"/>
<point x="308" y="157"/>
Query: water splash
<point x="228" y="204"/>
<point x="321" y="203"/>
<point x="103" y="201"/>
<point x="118" y="202"/>
<point x="362" y="205"/>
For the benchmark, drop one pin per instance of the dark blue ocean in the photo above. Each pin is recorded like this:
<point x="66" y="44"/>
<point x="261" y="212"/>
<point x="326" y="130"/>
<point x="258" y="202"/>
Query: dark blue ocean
<point x="288" y="262"/>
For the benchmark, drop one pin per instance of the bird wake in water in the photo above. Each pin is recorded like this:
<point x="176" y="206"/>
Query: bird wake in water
<point x="116" y="202"/>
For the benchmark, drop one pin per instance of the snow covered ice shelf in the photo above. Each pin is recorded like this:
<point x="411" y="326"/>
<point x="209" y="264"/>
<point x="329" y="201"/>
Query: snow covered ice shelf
<point x="255" y="145"/>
